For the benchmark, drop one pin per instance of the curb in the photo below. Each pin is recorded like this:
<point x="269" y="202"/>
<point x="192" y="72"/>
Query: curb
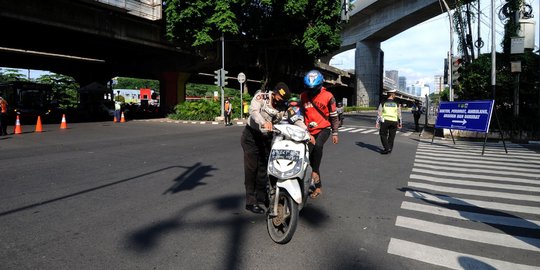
<point x="167" y="120"/>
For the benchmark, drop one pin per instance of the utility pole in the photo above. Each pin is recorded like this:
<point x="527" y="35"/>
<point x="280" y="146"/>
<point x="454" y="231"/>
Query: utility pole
<point x="222" y="69"/>
<point x="450" y="53"/>
<point x="493" y="52"/>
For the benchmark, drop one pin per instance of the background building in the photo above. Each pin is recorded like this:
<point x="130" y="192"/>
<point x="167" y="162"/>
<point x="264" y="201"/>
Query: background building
<point x="419" y="89"/>
<point x="393" y="75"/>
<point x="402" y="83"/>
<point x="438" y="84"/>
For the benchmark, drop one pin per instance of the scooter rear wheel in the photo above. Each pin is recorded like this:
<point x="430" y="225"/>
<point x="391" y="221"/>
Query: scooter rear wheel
<point x="282" y="226"/>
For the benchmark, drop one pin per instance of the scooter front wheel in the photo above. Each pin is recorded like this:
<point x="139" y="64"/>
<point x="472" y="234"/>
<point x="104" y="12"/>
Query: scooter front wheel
<point x="282" y="225"/>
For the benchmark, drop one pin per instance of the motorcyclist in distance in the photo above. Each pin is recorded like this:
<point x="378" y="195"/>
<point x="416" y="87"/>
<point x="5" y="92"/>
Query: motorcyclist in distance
<point x="340" y="111"/>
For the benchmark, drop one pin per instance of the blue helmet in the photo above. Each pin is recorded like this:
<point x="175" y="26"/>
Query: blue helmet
<point x="313" y="79"/>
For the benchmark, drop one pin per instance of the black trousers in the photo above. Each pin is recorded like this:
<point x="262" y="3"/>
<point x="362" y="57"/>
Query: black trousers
<point x="388" y="134"/>
<point x="3" y="123"/>
<point x="416" y="120"/>
<point x="227" y="118"/>
<point x="316" y="151"/>
<point x="256" y="148"/>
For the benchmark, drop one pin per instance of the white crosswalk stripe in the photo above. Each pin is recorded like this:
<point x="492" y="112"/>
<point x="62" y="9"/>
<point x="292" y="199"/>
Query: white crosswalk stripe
<point x="372" y="131"/>
<point x="476" y="203"/>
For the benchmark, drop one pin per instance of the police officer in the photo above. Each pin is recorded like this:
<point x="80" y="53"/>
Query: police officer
<point x="266" y="109"/>
<point x="389" y="120"/>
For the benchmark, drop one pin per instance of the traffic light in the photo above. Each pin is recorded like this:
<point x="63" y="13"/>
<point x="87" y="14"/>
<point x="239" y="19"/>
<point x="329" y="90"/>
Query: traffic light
<point x="456" y="69"/>
<point x="217" y="77"/>
<point x="223" y="77"/>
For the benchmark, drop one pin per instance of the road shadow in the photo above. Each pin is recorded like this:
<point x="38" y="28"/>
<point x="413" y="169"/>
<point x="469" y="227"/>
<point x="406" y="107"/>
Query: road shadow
<point x="195" y="178"/>
<point x="521" y="229"/>
<point x="369" y="147"/>
<point x="147" y="238"/>
<point x="469" y="263"/>
<point x="313" y="215"/>
<point x="191" y="178"/>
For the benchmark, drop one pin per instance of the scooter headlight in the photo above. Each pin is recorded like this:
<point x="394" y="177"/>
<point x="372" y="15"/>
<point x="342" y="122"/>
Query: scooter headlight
<point x="284" y="163"/>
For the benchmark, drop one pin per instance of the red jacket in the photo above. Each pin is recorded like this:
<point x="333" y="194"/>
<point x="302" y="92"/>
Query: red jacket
<point x="315" y="121"/>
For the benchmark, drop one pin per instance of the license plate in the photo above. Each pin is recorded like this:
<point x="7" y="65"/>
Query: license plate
<point x="284" y="154"/>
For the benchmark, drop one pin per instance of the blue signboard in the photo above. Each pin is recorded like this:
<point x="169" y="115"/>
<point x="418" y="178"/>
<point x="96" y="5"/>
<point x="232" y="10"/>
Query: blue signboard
<point x="465" y="115"/>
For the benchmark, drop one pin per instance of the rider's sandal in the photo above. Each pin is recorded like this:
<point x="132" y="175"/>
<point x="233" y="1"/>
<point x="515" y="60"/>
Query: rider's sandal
<point x="316" y="191"/>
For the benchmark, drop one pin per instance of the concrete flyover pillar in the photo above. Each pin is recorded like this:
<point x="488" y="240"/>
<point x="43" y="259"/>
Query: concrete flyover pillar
<point x="367" y="65"/>
<point x="173" y="89"/>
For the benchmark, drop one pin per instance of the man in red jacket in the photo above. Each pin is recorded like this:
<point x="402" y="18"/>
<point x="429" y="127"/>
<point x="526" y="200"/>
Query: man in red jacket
<point x="321" y="118"/>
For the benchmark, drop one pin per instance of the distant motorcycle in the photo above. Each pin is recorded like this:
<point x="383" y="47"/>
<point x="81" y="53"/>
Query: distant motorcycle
<point x="340" y="111"/>
<point x="288" y="188"/>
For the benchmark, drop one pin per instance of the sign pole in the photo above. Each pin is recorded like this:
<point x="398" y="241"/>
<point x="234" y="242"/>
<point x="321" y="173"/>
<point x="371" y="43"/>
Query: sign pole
<point x="241" y="102"/>
<point x="241" y="79"/>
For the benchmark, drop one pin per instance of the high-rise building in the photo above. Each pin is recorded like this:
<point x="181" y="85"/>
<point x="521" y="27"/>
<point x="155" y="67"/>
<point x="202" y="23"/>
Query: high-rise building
<point x="438" y="84"/>
<point x="418" y="89"/>
<point x="393" y="75"/>
<point x="402" y="83"/>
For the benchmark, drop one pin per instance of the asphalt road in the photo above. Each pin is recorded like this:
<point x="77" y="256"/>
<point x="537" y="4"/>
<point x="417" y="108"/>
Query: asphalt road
<point x="166" y="195"/>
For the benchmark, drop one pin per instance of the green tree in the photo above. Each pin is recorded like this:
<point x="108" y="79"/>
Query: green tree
<point x="10" y="74"/>
<point x="134" y="83"/>
<point x="64" y="89"/>
<point x="273" y="38"/>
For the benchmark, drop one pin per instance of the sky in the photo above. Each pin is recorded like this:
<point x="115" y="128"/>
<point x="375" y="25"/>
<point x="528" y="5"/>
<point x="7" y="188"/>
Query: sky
<point x="419" y="53"/>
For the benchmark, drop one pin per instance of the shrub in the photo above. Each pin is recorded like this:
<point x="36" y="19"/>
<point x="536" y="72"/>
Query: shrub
<point x="202" y="110"/>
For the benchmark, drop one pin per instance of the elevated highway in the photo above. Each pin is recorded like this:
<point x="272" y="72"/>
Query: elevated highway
<point x="94" y="42"/>
<point x="372" y="22"/>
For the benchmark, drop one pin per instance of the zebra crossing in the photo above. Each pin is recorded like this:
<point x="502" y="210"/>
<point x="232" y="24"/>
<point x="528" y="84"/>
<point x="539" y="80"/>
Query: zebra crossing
<point x="486" y="208"/>
<point x="371" y="130"/>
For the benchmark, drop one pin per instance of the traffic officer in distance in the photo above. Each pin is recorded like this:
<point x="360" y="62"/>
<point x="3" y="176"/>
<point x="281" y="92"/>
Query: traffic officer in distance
<point x="265" y="110"/>
<point x="389" y="120"/>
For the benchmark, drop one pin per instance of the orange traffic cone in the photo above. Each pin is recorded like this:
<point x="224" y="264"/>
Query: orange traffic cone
<point x="63" y="125"/>
<point x="18" y="129"/>
<point x="122" y="119"/>
<point x="39" y="128"/>
<point x="114" y="119"/>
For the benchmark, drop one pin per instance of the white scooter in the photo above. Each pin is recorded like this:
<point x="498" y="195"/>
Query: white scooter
<point x="288" y="188"/>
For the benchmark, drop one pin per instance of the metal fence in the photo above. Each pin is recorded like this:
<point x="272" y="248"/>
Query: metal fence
<point x="149" y="9"/>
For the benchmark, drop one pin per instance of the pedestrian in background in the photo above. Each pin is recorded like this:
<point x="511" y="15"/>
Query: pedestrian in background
<point x="416" y="111"/>
<point x="266" y="109"/>
<point x="117" y="110"/>
<point x="228" y="112"/>
<point x="321" y="118"/>
<point x="389" y="120"/>
<point x="245" y="108"/>
<point x="3" y="116"/>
